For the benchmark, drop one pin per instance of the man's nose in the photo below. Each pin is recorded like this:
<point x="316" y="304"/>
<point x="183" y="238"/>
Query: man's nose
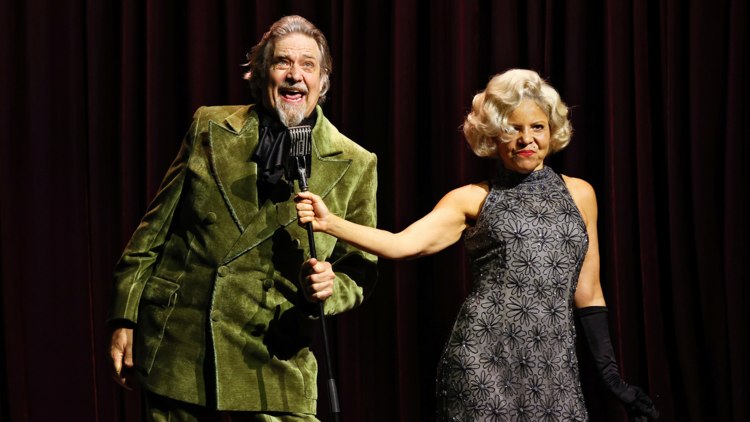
<point x="294" y="73"/>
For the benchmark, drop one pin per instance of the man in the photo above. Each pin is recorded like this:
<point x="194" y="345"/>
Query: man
<point x="208" y="306"/>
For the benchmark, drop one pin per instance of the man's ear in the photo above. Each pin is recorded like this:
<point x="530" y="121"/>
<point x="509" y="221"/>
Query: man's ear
<point x="323" y="83"/>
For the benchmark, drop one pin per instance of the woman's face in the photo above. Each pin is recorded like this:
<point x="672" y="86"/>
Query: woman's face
<point x="525" y="149"/>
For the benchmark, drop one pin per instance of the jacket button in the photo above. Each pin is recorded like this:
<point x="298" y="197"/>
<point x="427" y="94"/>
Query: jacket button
<point x="223" y="271"/>
<point x="215" y="315"/>
<point x="267" y="284"/>
<point x="210" y="218"/>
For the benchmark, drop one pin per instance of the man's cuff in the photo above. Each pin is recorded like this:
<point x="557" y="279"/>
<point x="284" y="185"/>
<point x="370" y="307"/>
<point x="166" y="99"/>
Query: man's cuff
<point x="116" y="324"/>
<point x="309" y="309"/>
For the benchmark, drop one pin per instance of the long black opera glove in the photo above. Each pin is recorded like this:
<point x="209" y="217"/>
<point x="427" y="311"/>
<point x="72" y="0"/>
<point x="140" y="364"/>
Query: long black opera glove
<point x="637" y="404"/>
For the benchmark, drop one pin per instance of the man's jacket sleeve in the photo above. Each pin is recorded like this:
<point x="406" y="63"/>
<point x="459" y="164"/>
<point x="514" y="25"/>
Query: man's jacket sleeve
<point x="137" y="262"/>
<point x="356" y="271"/>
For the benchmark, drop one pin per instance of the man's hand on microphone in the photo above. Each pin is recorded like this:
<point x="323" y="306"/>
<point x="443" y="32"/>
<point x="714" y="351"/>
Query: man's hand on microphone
<point x="316" y="280"/>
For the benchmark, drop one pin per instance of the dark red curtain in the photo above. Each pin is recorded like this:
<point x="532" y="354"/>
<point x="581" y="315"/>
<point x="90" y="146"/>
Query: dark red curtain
<point x="96" y="95"/>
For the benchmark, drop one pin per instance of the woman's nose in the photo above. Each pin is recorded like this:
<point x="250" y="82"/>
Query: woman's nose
<point x="524" y="136"/>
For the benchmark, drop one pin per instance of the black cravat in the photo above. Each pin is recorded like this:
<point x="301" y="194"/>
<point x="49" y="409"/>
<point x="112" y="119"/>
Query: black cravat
<point x="270" y="154"/>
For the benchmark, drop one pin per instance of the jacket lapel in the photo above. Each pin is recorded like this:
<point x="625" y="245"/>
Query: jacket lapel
<point x="326" y="172"/>
<point x="326" y="169"/>
<point x="231" y="148"/>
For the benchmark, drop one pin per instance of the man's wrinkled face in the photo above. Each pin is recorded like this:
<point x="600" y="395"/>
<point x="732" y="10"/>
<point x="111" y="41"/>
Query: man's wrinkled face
<point x="294" y="78"/>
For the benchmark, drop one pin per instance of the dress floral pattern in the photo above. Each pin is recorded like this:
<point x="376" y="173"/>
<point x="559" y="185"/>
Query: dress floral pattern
<point x="511" y="355"/>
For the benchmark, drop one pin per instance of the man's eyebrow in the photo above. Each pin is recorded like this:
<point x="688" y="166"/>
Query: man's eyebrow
<point x="310" y="56"/>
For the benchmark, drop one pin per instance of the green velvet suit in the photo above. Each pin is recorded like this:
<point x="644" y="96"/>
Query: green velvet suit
<point x="210" y="276"/>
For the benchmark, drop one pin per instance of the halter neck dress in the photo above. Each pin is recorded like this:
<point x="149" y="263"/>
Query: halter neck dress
<point x="511" y="354"/>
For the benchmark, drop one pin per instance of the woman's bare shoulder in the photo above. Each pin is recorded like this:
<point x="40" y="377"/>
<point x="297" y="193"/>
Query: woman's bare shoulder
<point x="578" y="186"/>
<point x="467" y="199"/>
<point x="583" y="195"/>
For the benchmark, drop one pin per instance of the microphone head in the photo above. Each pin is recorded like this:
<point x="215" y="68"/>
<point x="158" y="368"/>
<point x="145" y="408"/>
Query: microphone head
<point x="300" y="147"/>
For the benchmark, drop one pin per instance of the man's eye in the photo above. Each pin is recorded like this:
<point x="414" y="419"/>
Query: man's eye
<point x="282" y="65"/>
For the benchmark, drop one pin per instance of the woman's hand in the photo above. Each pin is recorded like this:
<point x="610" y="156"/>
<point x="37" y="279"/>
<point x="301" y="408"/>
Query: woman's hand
<point x="637" y="403"/>
<point x="312" y="209"/>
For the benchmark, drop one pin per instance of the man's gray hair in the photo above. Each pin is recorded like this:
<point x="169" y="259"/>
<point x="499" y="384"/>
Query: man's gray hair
<point x="260" y="55"/>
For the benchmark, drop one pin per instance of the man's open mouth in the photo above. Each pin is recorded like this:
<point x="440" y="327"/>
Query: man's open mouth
<point x="292" y="95"/>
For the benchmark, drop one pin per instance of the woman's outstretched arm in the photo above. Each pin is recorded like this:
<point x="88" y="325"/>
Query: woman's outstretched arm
<point x="436" y="231"/>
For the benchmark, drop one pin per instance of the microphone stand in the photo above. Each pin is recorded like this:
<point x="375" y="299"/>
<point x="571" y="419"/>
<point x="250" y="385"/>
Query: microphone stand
<point x="332" y="392"/>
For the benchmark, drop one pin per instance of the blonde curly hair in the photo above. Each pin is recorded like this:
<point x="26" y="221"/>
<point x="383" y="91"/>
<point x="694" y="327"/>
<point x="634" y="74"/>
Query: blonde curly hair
<point x="504" y="93"/>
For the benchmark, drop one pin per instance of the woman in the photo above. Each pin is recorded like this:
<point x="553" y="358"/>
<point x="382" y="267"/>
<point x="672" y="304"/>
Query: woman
<point x="535" y="257"/>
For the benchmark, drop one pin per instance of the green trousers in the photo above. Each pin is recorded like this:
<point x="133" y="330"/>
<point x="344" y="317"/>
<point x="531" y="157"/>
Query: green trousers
<point x="164" y="409"/>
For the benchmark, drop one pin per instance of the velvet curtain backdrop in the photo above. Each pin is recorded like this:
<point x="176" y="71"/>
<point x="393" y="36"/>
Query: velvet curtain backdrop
<point x="96" y="95"/>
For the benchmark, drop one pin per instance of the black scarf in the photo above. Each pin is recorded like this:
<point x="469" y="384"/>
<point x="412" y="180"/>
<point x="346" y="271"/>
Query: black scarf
<point x="270" y="154"/>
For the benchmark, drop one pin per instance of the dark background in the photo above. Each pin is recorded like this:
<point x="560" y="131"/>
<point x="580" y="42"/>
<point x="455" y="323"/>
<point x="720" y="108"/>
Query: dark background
<point x="96" y="95"/>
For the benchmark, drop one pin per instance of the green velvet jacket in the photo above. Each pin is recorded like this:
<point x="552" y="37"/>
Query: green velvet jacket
<point x="210" y="277"/>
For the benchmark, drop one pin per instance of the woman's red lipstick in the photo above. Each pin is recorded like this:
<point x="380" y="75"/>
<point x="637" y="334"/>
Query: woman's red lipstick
<point x="527" y="153"/>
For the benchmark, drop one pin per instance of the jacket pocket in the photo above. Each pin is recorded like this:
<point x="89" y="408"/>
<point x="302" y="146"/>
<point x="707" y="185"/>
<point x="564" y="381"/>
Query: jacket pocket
<point x="308" y="366"/>
<point x="157" y="303"/>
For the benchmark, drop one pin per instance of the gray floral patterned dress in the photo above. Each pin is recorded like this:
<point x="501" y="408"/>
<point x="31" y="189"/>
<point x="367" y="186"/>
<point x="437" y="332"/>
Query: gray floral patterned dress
<point x="511" y="355"/>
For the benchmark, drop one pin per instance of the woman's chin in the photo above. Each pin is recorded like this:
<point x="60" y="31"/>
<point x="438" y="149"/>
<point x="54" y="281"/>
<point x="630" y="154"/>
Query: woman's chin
<point x="522" y="167"/>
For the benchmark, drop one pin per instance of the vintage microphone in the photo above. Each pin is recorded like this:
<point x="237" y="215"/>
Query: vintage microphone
<point x="298" y="168"/>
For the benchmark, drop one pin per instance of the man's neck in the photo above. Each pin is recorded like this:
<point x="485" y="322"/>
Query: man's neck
<point x="270" y="118"/>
